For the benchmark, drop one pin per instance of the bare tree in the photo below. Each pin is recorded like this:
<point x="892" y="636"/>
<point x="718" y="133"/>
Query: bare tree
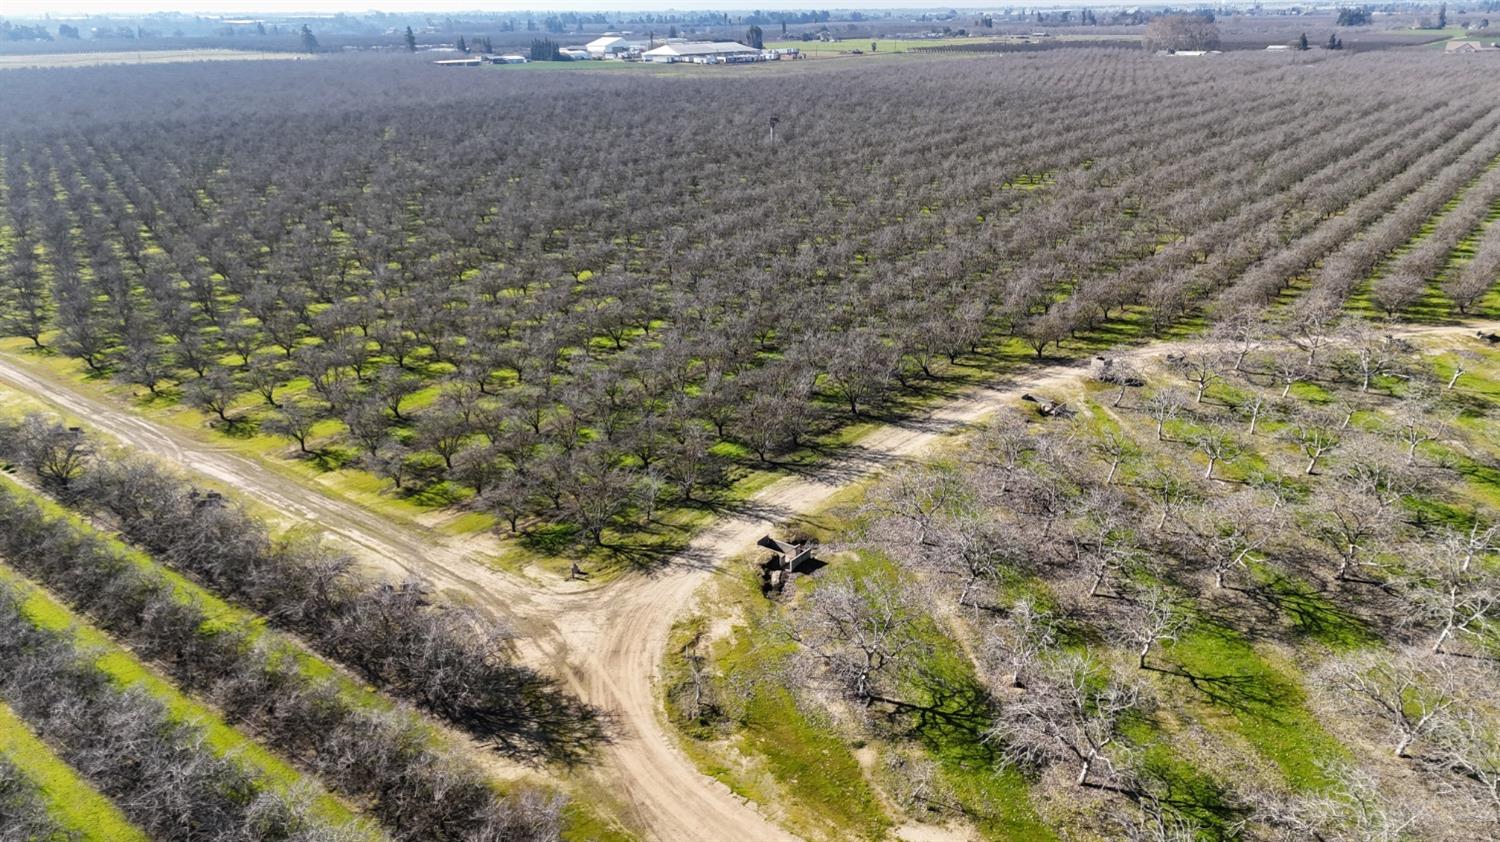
<point x="1354" y="807"/>
<point x="1217" y="444"/>
<point x="1462" y="361"/>
<point x="1164" y="406"/>
<point x="1229" y="532"/>
<point x="1353" y="525"/>
<point x="1074" y="713"/>
<point x="1119" y="373"/>
<point x="55" y="453"/>
<point x="974" y="549"/>
<point x="861" y="629"/>
<point x="1170" y="491"/>
<point x="294" y="420"/>
<point x="1405" y="695"/>
<point x="1116" y="448"/>
<point x="1412" y="426"/>
<point x="1159" y="617"/>
<point x="1370" y="354"/>
<point x="1202" y="369"/>
<point x="917" y="497"/>
<point x="1450" y="593"/>
<point x="1315" y="437"/>
<point x="1018" y="641"/>
<point x="1468" y="744"/>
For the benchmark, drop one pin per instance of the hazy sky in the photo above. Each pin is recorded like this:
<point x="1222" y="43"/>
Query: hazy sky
<point x="63" y="8"/>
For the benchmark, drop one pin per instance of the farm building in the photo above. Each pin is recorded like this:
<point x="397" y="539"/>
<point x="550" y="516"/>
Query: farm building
<point x="460" y="62"/>
<point x="608" y="46"/>
<point x="1470" y="47"/>
<point x="703" y="52"/>
<point x="508" y="59"/>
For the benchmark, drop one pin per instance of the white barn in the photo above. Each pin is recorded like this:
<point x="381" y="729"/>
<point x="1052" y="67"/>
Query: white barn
<point x="608" y="46"/>
<point x="703" y="52"/>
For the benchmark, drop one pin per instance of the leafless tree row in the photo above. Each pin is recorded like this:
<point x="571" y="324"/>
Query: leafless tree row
<point x="1352" y="264"/>
<point x="1389" y="182"/>
<point x="444" y="659"/>
<point x="162" y="772"/>
<point x="1469" y="283"/>
<point x="389" y="759"/>
<point x="1405" y="280"/>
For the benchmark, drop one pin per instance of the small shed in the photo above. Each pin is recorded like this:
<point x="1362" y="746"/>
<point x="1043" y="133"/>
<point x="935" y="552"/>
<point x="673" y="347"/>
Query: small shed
<point x="786" y="560"/>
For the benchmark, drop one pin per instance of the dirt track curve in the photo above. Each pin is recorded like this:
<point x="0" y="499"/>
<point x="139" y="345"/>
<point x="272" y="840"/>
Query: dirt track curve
<point x="605" y="641"/>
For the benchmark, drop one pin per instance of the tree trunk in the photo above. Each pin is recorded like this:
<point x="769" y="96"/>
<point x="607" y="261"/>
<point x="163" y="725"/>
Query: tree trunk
<point x="1406" y="740"/>
<point x="1083" y="772"/>
<point x="1437" y="646"/>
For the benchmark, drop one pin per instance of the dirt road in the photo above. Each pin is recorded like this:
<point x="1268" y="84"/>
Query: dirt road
<point x="607" y="642"/>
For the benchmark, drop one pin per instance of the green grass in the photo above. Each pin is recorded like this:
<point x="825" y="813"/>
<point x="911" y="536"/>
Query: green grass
<point x="951" y="728"/>
<point x="1311" y="615"/>
<point x="582" y="823"/>
<point x="1248" y="693"/>
<point x="1187" y="790"/>
<point x="71" y="801"/>
<point x="814" y="766"/>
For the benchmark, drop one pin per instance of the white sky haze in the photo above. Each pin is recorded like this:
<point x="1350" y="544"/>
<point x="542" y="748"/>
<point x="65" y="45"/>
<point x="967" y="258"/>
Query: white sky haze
<point x="72" y="8"/>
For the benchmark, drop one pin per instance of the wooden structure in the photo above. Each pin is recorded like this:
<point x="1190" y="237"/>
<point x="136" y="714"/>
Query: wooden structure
<point x="786" y="559"/>
<point x="1048" y="407"/>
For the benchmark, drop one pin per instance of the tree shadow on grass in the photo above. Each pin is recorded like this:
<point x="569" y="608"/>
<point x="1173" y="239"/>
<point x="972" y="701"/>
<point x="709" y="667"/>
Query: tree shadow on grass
<point x="551" y="539"/>
<point x="241" y="427"/>
<point x="953" y="718"/>
<point x="1245" y="690"/>
<point x="1181" y="788"/>
<point x="1312" y="615"/>
<point x="837" y="464"/>
<point x="1238" y="691"/>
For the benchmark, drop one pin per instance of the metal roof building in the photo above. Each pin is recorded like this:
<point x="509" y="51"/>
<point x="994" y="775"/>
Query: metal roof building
<point x="607" y="46"/>
<point x="703" y="52"/>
